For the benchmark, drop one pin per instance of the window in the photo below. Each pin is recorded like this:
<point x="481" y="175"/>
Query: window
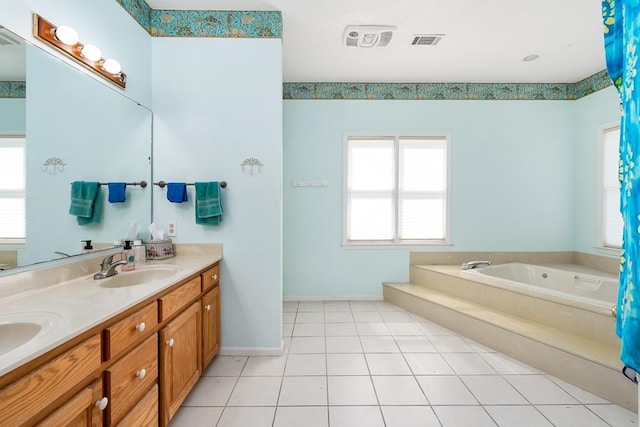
<point x="611" y="219"/>
<point x="396" y="190"/>
<point x="12" y="189"/>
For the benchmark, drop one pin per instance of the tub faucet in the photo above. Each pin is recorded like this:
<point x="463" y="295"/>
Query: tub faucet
<point x="108" y="267"/>
<point x="475" y="264"/>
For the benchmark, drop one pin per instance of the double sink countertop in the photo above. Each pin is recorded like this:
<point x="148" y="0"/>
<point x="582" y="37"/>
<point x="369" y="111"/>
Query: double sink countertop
<point x="43" y="308"/>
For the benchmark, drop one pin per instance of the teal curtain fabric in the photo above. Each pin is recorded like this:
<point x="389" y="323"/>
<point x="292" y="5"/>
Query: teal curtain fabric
<point x="621" y="39"/>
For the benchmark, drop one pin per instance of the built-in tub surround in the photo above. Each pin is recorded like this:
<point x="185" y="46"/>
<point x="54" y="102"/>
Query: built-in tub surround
<point x="566" y="336"/>
<point x="70" y="292"/>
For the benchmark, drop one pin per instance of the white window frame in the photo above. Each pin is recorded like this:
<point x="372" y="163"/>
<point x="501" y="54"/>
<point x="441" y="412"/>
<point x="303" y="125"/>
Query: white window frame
<point x="14" y="193"/>
<point x="601" y="199"/>
<point x="400" y="244"/>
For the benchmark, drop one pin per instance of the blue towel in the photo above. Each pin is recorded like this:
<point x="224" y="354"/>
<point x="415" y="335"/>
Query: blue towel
<point x="177" y="192"/>
<point x="208" y="204"/>
<point x="86" y="202"/>
<point x="117" y="192"/>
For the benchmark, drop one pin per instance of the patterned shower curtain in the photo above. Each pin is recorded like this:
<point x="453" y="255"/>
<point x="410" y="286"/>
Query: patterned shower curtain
<point x="621" y="20"/>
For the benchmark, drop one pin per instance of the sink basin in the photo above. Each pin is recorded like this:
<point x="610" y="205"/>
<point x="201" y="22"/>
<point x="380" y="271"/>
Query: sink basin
<point x="17" y="329"/>
<point x="140" y="276"/>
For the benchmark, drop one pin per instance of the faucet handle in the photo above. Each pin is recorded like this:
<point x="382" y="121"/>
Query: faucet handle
<point x="107" y="261"/>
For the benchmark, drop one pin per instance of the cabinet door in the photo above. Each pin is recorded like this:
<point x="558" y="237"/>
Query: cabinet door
<point x="210" y="325"/>
<point x="82" y="410"/>
<point x="180" y="359"/>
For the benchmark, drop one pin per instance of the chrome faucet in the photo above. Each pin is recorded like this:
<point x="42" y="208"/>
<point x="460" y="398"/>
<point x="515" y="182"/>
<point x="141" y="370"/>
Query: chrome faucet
<point x="475" y="264"/>
<point x="108" y="267"/>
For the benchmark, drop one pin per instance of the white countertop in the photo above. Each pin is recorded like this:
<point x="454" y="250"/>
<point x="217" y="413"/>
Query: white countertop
<point x="73" y="306"/>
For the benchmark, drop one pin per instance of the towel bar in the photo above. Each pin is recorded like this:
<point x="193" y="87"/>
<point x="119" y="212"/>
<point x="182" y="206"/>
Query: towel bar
<point x="162" y="184"/>
<point x="142" y="184"/>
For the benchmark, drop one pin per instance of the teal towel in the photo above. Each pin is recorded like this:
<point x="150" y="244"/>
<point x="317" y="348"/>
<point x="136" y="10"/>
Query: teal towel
<point x="86" y="202"/>
<point x="208" y="204"/>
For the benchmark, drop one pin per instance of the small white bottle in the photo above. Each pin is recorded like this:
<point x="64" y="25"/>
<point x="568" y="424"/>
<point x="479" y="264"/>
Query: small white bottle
<point x="140" y="252"/>
<point x="129" y="255"/>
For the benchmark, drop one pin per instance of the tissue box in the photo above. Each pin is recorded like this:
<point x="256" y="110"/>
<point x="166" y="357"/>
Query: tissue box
<point x="159" y="249"/>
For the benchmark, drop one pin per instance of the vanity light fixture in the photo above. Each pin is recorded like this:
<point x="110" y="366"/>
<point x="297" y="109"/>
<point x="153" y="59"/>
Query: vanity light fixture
<point x="91" y="52"/>
<point x="65" y="39"/>
<point x="67" y="35"/>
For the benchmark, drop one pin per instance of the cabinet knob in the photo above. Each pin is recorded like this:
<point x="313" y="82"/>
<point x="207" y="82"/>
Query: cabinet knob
<point x="207" y="307"/>
<point x="171" y="342"/>
<point x="102" y="403"/>
<point x="214" y="277"/>
<point x="140" y="326"/>
<point x="141" y="373"/>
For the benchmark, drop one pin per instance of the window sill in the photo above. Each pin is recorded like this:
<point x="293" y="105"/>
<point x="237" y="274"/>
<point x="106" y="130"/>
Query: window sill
<point x="16" y="243"/>
<point x="430" y="246"/>
<point x="608" y="250"/>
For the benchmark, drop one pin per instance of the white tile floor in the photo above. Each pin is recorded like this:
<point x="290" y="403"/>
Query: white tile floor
<point x="373" y="364"/>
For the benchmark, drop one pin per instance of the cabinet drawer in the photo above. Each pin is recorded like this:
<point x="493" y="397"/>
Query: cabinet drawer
<point x="145" y="413"/>
<point x="211" y="277"/>
<point x="175" y="300"/>
<point x="81" y="410"/>
<point x="23" y="399"/>
<point x="130" y="330"/>
<point x="131" y="377"/>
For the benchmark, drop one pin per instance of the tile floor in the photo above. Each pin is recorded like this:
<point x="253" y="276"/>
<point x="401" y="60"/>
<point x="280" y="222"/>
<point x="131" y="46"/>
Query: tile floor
<point x="362" y="364"/>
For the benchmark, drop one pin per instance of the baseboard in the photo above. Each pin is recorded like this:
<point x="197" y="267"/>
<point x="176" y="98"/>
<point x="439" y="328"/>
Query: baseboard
<point x="251" y="351"/>
<point x="332" y="298"/>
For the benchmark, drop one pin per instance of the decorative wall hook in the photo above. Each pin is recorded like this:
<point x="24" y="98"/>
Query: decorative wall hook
<point x="251" y="162"/>
<point x="53" y="165"/>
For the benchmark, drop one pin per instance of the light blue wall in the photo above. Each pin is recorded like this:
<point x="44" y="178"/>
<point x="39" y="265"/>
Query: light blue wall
<point x="101" y="22"/>
<point x="591" y="113"/>
<point x="12" y="116"/>
<point x="511" y="184"/>
<point x="217" y="102"/>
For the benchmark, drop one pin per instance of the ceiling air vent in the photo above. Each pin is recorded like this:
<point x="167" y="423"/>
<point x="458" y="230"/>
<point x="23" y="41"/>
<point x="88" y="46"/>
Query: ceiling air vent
<point x="426" y="39"/>
<point x="367" y="35"/>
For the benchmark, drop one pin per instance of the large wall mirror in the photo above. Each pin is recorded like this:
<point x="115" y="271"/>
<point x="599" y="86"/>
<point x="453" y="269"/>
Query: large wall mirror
<point x="99" y="134"/>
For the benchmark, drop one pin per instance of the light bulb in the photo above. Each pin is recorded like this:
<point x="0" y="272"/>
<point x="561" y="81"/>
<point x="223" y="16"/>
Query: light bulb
<point x="67" y="35"/>
<point x="111" y="66"/>
<point x="91" y="52"/>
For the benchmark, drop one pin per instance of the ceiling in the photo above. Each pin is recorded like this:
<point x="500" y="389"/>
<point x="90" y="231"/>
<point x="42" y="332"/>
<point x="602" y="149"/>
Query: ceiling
<point x="485" y="39"/>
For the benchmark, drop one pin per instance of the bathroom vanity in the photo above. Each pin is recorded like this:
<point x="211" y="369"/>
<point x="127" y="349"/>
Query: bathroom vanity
<point x="123" y="352"/>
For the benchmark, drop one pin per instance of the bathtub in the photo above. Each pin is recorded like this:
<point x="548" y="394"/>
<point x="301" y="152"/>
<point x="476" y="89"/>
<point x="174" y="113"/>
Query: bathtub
<point x="597" y="293"/>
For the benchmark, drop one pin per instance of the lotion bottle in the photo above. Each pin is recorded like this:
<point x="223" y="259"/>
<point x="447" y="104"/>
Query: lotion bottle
<point x="128" y="254"/>
<point x="140" y="252"/>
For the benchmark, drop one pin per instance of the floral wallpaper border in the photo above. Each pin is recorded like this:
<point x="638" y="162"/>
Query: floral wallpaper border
<point x="268" y="24"/>
<point x="13" y="89"/>
<point x="205" y="23"/>
<point x="448" y="91"/>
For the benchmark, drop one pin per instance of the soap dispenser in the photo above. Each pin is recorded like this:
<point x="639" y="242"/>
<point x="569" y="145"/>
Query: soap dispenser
<point x="129" y="255"/>
<point x="87" y="246"/>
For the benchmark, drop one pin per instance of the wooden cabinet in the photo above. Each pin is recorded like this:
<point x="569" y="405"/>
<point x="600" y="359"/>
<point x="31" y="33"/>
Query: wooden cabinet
<point x="134" y="370"/>
<point x="180" y="359"/>
<point x="35" y="391"/>
<point x="210" y="325"/>
<point x="82" y="410"/>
